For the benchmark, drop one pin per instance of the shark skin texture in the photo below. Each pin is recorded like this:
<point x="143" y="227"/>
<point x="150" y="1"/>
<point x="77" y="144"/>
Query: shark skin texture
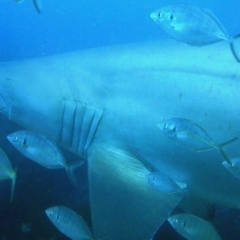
<point x="104" y="105"/>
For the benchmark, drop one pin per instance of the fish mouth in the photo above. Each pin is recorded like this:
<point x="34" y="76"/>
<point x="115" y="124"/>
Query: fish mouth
<point x="153" y="16"/>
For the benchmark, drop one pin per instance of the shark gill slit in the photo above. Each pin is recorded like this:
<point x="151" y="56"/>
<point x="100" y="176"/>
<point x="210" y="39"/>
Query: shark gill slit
<point x="79" y="125"/>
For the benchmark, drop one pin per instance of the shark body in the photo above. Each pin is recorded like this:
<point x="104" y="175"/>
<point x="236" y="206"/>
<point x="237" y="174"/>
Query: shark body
<point x="104" y="105"/>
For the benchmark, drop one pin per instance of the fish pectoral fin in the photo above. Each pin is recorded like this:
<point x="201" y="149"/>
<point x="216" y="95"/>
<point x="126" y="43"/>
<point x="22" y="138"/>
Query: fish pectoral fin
<point x="123" y="204"/>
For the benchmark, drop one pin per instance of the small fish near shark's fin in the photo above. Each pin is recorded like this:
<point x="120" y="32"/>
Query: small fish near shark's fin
<point x="123" y="204"/>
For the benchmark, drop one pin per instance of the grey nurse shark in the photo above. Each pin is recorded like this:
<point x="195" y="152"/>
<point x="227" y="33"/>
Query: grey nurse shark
<point x="104" y="105"/>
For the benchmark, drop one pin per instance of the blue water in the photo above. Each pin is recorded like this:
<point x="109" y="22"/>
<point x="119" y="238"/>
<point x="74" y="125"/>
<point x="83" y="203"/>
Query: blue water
<point x="67" y="25"/>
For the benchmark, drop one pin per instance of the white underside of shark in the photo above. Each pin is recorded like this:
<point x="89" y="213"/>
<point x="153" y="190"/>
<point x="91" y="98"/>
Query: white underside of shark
<point x="104" y="105"/>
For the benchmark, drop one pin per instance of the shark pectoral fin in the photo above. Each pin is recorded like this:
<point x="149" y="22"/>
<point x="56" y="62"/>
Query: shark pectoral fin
<point x="123" y="204"/>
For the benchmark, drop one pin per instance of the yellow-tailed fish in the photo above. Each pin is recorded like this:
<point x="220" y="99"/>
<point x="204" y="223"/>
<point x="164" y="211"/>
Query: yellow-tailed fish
<point x="69" y="223"/>
<point x="193" y="228"/>
<point x="6" y="171"/>
<point x="164" y="183"/>
<point x="191" y="135"/>
<point x="42" y="151"/>
<point x="194" y="26"/>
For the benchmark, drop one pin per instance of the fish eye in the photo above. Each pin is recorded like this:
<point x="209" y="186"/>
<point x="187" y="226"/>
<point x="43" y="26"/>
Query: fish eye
<point x="50" y="213"/>
<point x="15" y="138"/>
<point x="171" y="17"/>
<point x="175" y="220"/>
<point x="165" y="125"/>
<point x="159" y="15"/>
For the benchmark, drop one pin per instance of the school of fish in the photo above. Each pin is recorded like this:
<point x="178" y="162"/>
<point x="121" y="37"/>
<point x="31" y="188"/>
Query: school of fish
<point x="188" y="24"/>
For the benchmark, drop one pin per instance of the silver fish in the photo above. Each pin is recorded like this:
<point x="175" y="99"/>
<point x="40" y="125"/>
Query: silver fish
<point x="69" y="223"/>
<point x="6" y="171"/>
<point x="164" y="183"/>
<point x="42" y="151"/>
<point x="192" y="135"/>
<point x="38" y="148"/>
<point x="193" y="228"/>
<point x="194" y="26"/>
<point x="234" y="167"/>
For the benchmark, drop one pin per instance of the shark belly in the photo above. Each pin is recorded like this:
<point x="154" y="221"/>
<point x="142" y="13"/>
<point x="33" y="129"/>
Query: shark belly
<point x="104" y="105"/>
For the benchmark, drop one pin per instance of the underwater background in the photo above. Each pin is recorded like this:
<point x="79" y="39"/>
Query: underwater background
<point x="68" y="25"/>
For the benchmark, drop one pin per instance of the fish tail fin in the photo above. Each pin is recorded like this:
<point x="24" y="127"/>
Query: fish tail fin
<point x="14" y="176"/>
<point x="235" y="47"/>
<point x="225" y="155"/>
<point x="220" y="147"/>
<point x="70" y="172"/>
<point x="38" y="5"/>
<point x="228" y="142"/>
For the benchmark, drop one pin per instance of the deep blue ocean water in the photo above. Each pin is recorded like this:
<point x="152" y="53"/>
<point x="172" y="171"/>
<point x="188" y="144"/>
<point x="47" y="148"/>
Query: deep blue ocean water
<point x="68" y="25"/>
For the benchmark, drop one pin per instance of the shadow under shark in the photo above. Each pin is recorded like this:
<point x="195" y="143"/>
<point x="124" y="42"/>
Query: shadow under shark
<point x="104" y="105"/>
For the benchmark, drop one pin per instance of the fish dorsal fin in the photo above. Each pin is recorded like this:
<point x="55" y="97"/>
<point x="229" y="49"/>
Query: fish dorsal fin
<point x="122" y="200"/>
